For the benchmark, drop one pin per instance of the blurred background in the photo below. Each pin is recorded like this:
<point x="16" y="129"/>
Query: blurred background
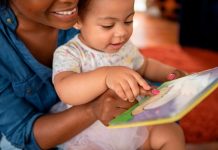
<point x="183" y="33"/>
<point x="192" y="22"/>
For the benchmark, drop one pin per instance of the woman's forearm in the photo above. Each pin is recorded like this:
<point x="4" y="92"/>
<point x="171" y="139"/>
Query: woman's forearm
<point x="53" y="129"/>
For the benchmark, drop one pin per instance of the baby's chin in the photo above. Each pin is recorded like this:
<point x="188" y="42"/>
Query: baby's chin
<point x="110" y="48"/>
<point x="112" y="51"/>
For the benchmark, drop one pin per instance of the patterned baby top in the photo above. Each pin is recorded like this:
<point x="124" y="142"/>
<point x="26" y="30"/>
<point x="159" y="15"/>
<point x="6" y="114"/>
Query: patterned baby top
<point x="77" y="57"/>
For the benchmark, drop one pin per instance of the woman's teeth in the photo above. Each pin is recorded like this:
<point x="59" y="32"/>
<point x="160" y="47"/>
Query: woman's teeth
<point x="69" y="12"/>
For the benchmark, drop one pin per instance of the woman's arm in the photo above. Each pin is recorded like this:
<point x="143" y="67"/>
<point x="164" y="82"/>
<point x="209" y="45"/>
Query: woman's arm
<point x="53" y="129"/>
<point x="28" y="128"/>
<point x="62" y="126"/>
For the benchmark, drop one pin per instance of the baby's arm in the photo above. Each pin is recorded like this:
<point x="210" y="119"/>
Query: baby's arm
<point x="79" y="88"/>
<point x="159" y="72"/>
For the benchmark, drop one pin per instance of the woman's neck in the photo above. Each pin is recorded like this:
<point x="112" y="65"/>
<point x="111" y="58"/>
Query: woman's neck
<point x="41" y="40"/>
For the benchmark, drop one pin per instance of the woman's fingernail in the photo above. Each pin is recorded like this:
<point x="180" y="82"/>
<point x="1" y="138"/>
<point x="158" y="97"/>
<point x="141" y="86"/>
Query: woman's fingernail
<point x="155" y="91"/>
<point x="171" y="76"/>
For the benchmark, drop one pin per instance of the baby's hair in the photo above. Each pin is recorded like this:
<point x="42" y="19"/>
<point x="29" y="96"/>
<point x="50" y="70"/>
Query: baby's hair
<point x="83" y="7"/>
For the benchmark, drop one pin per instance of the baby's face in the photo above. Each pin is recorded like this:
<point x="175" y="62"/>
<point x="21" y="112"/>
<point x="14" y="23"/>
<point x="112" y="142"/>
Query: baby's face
<point x="107" y="24"/>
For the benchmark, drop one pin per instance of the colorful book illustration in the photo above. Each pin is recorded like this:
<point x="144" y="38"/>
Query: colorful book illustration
<point x="176" y="99"/>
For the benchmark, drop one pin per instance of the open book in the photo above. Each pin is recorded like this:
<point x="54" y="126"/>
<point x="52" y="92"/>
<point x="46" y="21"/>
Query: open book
<point x="176" y="99"/>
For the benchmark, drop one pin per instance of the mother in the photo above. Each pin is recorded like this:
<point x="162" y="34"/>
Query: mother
<point x="30" y="30"/>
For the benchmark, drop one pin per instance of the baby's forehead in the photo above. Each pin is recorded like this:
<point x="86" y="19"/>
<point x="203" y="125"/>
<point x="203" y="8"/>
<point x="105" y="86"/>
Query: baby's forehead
<point x="107" y="9"/>
<point x="109" y="5"/>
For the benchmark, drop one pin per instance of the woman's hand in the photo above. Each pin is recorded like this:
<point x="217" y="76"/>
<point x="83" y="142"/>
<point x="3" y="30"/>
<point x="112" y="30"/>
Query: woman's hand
<point x="125" y="82"/>
<point x="109" y="105"/>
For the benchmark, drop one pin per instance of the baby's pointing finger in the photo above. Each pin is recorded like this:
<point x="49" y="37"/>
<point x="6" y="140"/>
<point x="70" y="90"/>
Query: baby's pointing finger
<point x="142" y="82"/>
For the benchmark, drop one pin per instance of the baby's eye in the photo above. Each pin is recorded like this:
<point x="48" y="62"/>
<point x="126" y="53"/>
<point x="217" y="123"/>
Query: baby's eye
<point x="107" y="26"/>
<point x="128" y="22"/>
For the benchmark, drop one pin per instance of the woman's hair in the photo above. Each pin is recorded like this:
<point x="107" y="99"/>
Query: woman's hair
<point x="83" y="7"/>
<point x="4" y="3"/>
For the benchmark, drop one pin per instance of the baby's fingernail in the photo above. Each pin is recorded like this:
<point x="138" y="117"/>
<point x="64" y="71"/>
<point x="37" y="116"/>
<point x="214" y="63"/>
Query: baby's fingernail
<point x="147" y="87"/>
<point x="155" y="91"/>
<point x="171" y="76"/>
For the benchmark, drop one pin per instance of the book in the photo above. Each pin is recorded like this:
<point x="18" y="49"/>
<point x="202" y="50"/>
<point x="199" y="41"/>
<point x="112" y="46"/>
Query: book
<point x="176" y="98"/>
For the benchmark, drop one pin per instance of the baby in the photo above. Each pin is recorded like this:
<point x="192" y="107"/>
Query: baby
<point x="101" y="57"/>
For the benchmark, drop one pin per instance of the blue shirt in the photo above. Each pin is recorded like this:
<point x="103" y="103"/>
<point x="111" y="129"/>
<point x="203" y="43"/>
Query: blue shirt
<point x="26" y="90"/>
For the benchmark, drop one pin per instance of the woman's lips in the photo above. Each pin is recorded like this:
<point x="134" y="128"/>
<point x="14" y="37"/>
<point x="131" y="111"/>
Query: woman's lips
<point x="66" y="12"/>
<point x="66" y="15"/>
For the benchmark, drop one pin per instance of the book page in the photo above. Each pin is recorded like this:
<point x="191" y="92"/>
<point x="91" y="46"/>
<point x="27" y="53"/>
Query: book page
<point x="175" y="97"/>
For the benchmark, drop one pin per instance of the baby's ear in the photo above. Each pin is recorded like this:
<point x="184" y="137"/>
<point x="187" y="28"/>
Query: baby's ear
<point x="78" y="24"/>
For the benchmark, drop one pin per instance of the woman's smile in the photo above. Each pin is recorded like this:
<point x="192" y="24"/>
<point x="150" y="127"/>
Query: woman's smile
<point x="66" y="15"/>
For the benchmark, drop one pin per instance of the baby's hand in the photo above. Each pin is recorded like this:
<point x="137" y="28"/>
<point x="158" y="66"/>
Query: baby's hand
<point x="125" y="82"/>
<point x="176" y="74"/>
